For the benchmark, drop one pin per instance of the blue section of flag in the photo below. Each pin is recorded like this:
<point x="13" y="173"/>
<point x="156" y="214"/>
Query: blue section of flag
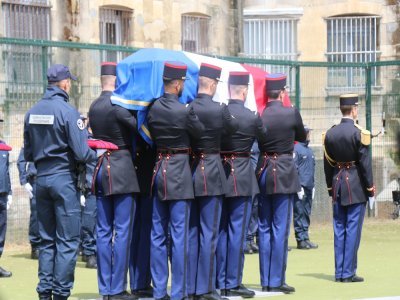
<point x="139" y="82"/>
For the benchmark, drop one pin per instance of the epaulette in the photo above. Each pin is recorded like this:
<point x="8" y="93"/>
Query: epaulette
<point x="365" y="135"/>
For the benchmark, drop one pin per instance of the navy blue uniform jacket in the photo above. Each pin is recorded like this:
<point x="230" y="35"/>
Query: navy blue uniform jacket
<point x="54" y="135"/>
<point x="5" y="183"/>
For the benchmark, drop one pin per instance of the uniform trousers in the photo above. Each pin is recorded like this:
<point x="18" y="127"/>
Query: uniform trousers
<point x="347" y="226"/>
<point x="175" y="213"/>
<point x="139" y="265"/>
<point x="59" y="218"/>
<point x="253" y="224"/>
<point x="236" y="213"/>
<point x="274" y="213"/>
<point x="115" y="216"/>
<point x="210" y="208"/>
<point x="301" y="215"/>
<point x="34" y="237"/>
<point x="3" y="221"/>
<point x="88" y="232"/>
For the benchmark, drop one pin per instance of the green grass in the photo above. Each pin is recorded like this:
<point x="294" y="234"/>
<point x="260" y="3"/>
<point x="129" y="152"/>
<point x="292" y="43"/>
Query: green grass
<point x="309" y="271"/>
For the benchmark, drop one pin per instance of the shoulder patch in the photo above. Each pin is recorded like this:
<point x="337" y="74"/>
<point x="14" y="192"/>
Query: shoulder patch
<point x="80" y="124"/>
<point x="365" y="135"/>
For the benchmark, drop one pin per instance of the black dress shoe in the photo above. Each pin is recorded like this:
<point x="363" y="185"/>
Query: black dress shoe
<point x="338" y="279"/>
<point x="122" y="296"/>
<point x="311" y="244"/>
<point x="210" y="296"/>
<point x="241" y="291"/>
<point x="143" y="293"/>
<point x="190" y="297"/>
<point x="35" y="254"/>
<point x="354" y="278"/>
<point x="265" y="288"/>
<point x="223" y="292"/>
<point x="45" y="297"/>
<point x="284" y="288"/>
<point x="254" y="247"/>
<point x="4" y="273"/>
<point x="248" y="249"/>
<point x="303" y="245"/>
<point x="91" y="262"/>
<point x="166" y="297"/>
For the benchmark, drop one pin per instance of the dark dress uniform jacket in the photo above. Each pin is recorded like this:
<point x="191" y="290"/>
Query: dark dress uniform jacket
<point x="5" y="183"/>
<point x="284" y="125"/>
<point x="237" y="148"/>
<point x="210" y="179"/>
<point x="115" y="124"/>
<point x="54" y="137"/>
<point x="350" y="172"/>
<point x="170" y="123"/>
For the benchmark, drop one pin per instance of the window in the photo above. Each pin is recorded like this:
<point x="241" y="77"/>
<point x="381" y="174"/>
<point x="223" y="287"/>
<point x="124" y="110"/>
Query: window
<point x="351" y="39"/>
<point x="195" y="33"/>
<point x="115" y="29"/>
<point x="27" y="19"/>
<point x="271" y="38"/>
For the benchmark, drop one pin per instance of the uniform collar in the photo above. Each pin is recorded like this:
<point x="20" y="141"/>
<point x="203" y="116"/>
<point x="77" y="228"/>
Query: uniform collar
<point x="236" y="101"/>
<point x="204" y="96"/>
<point x="171" y="96"/>
<point x="106" y="93"/>
<point x="274" y="103"/>
<point x="347" y="120"/>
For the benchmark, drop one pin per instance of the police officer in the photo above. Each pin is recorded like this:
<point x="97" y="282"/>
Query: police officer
<point x="115" y="186"/>
<point x="5" y="197"/>
<point x="27" y="178"/>
<point x="54" y="139"/>
<point x="348" y="174"/>
<point x="279" y="182"/>
<point x="242" y="186"/>
<point x="209" y="183"/>
<point x="171" y="123"/>
<point x="139" y="264"/>
<point x="89" y="212"/>
<point x="305" y="163"/>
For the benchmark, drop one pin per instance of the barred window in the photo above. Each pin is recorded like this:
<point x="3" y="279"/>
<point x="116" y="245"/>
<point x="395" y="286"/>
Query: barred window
<point x="352" y="39"/>
<point x="271" y="38"/>
<point x="195" y="33"/>
<point x="27" y="19"/>
<point x="115" y="29"/>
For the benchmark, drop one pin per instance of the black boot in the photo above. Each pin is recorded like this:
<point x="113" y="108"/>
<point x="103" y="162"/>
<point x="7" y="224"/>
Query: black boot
<point x="311" y="244"/>
<point x="91" y="262"/>
<point x="241" y="291"/>
<point x="303" y="245"/>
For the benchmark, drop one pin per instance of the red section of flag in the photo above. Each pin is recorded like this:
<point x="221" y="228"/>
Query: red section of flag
<point x="99" y="144"/>
<point x="258" y="75"/>
<point x="5" y="147"/>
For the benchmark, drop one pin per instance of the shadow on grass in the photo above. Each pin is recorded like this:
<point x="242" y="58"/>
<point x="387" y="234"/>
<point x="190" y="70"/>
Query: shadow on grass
<point x="84" y="296"/>
<point x="321" y="276"/>
<point x="21" y="255"/>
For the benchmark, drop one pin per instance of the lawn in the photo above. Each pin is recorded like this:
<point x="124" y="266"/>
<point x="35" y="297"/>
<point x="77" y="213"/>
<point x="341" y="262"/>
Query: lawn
<point x="309" y="271"/>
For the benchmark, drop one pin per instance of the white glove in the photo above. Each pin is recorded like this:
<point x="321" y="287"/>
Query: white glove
<point x="29" y="189"/>
<point x="300" y="194"/>
<point x="83" y="201"/>
<point x="371" y="201"/>
<point x="313" y="193"/>
<point x="9" y="201"/>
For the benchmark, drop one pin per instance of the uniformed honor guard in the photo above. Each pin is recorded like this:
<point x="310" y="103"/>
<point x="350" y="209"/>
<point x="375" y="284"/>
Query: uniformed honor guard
<point x="348" y="174"/>
<point x="27" y="178"/>
<point x="209" y="183"/>
<point x="115" y="186"/>
<point x="279" y="182"/>
<point x="305" y="162"/>
<point x="5" y="197"/>
<point x="171" y="124"/>
<point x="139" y="265"/>
<point x="55" y="140"/>
<point x="242" y="186"/>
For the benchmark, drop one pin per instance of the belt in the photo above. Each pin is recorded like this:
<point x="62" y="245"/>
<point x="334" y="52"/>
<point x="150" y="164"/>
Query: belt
<point x="275" y="155"/>
<point x="227" y="154"/>
<point x="345" y="165"/>
<point x="173" y="151"/>
<point x="203" y="153"/>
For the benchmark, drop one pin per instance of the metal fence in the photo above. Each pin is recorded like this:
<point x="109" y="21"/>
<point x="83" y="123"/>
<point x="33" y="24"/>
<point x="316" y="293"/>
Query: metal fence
<point x="23" y="66"/>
